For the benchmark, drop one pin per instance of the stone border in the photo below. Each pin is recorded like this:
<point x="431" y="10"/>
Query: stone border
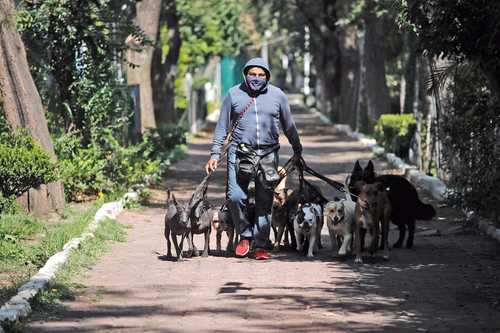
<point x="435" y="186"/>
<point x="19" y="305"/>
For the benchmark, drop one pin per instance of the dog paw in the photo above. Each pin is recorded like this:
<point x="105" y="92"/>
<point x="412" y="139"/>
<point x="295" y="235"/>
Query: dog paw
<point x="204" y="254"/>
<point x="310" y="255"/>
<point x="358" y="261"/>
<point x="342" y="253"/>
<point x="385" y="257"/>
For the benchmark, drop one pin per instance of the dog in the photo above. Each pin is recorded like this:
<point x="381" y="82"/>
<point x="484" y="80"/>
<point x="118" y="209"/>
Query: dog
<point x="308" y="223"/>
<point x="177" y="223"/>
<point x="281" y="221"/>
<point x="372" y="213"/>
<point x="201" y="217"/>
<point x="405" y="203"/>
<point x="221" y="222"/>
<point x="340" y="219"/>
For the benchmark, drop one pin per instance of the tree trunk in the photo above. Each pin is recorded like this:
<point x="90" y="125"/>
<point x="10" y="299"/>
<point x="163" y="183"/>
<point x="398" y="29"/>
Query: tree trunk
<point x="164" y="67"/>
<point x="23" y="107"/>
<point x="377" y="93"/>
<point x="361" y="113"/>
<point x="349" y="70"/>
<point x="410" y="72"/>
<point x="148" y="19"/>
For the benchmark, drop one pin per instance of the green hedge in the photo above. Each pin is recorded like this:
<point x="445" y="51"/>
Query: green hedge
<point x="394" y="132"/>
<point x="23" y="165"/>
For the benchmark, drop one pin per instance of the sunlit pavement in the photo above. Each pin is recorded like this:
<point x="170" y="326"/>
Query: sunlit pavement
<point x="446" y="283"/>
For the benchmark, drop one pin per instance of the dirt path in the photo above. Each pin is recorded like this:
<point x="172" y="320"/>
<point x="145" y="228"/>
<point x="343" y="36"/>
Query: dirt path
<point x="447" y="283"/>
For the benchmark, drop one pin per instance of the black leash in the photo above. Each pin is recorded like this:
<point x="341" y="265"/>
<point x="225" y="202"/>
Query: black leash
<point x="335" y="184"/>
<point x="201" y="190"/>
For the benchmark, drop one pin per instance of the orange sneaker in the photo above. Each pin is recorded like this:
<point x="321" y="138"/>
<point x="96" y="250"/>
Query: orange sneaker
<point x="242" y="248"/>
<point x="261" y="254"/>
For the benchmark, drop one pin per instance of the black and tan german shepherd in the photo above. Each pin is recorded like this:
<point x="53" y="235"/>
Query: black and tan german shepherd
<point x="405" y="203"/>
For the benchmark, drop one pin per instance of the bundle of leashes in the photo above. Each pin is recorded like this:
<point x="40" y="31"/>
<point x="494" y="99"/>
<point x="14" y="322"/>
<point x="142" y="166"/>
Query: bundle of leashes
<point x="292" y="164"/>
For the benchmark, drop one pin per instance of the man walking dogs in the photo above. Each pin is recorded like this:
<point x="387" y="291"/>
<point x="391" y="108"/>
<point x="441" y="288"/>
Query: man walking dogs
<point x="257" y="108"/>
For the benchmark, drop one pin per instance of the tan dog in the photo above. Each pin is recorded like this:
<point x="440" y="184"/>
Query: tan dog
<point x="372" y="212"/>
<point x="283" y="209"/>
<point x="281" y="216"/>
<point x="339" y="218"/>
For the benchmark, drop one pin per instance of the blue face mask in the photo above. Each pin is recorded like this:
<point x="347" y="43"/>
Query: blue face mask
<point x="256" y="84"/>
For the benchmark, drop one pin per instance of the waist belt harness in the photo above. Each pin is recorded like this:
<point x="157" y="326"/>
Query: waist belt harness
<point x="253" y="162"/>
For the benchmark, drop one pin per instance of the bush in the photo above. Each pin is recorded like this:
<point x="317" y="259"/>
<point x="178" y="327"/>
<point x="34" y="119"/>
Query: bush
<point x="394" y="132"/>
<point x="23" y="164"/>
<point x="106" y="165"/>
<point x="470" y="133"/>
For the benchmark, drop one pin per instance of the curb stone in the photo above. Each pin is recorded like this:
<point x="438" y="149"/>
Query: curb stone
<point x="19" y="305"/>
<point x="435" y="186"/>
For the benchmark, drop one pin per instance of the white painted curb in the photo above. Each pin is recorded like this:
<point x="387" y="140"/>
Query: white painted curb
<point x="435" y="186"/>
<point x="19" y="305"/>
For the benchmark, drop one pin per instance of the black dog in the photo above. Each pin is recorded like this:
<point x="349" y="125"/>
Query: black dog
<point x="405" y="203"/>
<point x="201" y="222"/>
<point x="221" y="222"/>
<point x="177" y="223"/>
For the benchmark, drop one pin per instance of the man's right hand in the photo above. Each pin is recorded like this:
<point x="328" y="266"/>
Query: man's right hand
<point x="211" y="165"/>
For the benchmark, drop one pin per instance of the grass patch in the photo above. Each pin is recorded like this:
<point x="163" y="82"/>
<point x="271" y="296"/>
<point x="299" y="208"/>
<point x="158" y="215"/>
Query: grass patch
<point x="47" y="303"/>
<point x="26" y="243"/>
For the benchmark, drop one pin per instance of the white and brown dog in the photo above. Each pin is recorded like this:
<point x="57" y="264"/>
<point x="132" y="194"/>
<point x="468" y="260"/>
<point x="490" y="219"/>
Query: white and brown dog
<point x="340" y="219"/>
<point x="307" y="224"/>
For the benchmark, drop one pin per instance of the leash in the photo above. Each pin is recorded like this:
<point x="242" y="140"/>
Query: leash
<point x="201" y="190"/>
<point x="337" y="185"/>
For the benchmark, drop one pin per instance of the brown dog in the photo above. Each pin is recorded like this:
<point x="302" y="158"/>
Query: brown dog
<point x="281" y="218"/>
<point x="372" y="213"/>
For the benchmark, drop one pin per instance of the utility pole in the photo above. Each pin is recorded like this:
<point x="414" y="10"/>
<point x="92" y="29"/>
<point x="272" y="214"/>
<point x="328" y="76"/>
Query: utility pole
<point x="307" y="62"/>
<point x="264" y="52"/>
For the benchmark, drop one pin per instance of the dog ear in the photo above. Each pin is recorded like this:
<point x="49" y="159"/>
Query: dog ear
<point x="357" y="167"/>
<point x="370" y="166"/>
<point x="174" y="200"/>
<point x="369" y="172"/>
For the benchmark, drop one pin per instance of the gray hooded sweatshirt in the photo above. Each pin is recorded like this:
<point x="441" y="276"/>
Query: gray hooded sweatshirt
<point x="259" y="125"/>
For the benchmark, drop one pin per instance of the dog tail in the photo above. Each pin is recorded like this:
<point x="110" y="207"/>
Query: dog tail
<point x="424" y="211"/>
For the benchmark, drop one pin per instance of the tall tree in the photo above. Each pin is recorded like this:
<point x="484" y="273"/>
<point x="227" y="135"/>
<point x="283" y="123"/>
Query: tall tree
<point x="165" y="59"/>
<point x="377" y="93"/>
<point x="321" y="17"/>
<point x="468" y="31"/>
<point x="23" y="107"/>
<point x="141" y="58"/>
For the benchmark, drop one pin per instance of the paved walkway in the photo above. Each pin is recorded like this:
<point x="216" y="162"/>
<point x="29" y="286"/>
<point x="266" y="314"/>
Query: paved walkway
<point x="447" y="283"/>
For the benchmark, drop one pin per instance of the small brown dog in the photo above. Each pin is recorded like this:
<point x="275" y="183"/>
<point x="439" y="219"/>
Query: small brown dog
<point x="372" y="212"/>
<point x="281" y="218"/>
